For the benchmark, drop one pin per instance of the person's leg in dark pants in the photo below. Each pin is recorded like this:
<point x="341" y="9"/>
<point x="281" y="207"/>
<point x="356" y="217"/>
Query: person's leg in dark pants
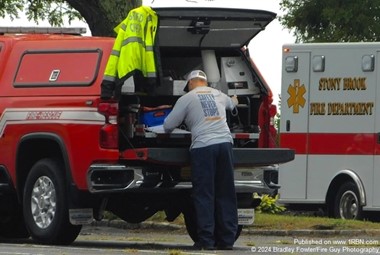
<point x="202" y="173"/>
<point x="225" y="197"/>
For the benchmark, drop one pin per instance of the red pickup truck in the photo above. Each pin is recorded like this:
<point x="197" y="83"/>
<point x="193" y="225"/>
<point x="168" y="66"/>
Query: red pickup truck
<point x="66" y="156"/>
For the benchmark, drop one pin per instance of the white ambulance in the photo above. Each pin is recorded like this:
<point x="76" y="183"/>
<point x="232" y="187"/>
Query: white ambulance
<point x="330" y="116"/>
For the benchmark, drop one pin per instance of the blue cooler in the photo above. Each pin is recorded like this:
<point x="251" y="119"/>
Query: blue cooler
<point x="154" y="117"/>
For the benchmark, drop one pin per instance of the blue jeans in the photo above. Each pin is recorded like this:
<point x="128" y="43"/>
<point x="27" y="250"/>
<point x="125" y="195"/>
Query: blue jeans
<point x="214" y="194"/>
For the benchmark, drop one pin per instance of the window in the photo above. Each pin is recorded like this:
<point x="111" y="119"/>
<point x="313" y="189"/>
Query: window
<point x="58" y="68"/>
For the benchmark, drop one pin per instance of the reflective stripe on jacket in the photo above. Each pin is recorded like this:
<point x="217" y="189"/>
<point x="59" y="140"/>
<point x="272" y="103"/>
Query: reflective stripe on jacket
<point x="133" y="47"/>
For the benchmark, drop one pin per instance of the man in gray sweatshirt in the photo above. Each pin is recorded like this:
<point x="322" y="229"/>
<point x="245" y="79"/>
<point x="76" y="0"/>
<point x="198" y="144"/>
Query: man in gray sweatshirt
<point x="203" y="110"/>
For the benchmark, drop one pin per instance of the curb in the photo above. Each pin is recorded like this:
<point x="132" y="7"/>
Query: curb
<point x="171" y="227"/>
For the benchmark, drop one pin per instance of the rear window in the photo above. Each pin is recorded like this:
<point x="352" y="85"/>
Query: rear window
<point x="58" y="68"/>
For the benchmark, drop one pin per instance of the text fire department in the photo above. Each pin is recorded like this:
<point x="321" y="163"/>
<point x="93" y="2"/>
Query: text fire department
<point x="342" y="108"/>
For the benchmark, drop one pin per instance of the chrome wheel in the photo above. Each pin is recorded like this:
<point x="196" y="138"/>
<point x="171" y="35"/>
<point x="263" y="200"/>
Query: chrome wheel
<point x="349" y="205"/>
<point x="43" y="202"/>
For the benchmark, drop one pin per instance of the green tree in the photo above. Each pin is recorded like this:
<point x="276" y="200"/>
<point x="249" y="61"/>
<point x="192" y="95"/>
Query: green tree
<point x="332" y="20"/>
<point x="101" y="16"/>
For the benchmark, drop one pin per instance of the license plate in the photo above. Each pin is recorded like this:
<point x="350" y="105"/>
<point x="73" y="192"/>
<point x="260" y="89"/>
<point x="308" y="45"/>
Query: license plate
<point x="246" y="216"/>
<point x="81" y="216"/>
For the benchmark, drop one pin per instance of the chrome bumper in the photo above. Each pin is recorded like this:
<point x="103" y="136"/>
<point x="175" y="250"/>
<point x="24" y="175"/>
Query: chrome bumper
<point x="107" y="178"/>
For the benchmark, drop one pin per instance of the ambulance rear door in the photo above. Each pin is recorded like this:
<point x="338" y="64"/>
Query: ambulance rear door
<point x="294" y="126"/>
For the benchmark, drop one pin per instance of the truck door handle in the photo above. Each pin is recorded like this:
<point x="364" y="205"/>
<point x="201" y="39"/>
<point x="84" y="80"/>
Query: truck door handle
<point x="288" y="125"/>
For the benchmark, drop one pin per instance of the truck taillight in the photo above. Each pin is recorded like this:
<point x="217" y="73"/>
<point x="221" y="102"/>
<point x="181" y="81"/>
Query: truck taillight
<point x="268" y="133"/>
<point x="109" y="110"/>
<point x="109" y="136"/>
<point x="109" y="133"/>
<point x="272" y="114"/>
<point x="272" y="128"/>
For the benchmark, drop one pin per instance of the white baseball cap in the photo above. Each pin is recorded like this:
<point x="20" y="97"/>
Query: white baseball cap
<point x="195" y="74"/>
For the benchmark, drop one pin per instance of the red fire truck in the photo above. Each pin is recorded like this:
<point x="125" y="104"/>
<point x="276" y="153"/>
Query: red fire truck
<point x="66" y="156"/>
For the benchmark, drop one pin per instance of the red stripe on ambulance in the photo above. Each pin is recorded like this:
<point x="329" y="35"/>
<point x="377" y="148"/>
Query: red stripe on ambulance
<point x="336" y="144"/>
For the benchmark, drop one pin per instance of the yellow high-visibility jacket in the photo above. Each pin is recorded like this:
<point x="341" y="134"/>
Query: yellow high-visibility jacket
<point x="133" y="47"/>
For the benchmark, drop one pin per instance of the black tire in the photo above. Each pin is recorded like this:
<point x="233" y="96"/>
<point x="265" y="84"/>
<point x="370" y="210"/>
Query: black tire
<point x="47" y="219"/>
<point x="11" y="219"/>
<point x="191" y="223"/>
<point x="347" y="203"/>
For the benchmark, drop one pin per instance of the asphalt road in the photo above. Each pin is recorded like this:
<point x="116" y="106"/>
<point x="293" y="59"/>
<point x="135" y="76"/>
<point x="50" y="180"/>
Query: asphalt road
<point x="95" y="240"/>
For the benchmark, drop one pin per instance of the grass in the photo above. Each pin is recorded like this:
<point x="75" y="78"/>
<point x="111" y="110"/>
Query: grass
<point x="160" y="217"/>
<point x="264" y="221"/>
<point x="288" y="222"/>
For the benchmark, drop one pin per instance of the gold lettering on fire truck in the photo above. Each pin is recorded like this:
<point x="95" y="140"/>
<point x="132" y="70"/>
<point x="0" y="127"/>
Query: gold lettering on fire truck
<point x="44" y="115"/>
<point x="342" y="86"/>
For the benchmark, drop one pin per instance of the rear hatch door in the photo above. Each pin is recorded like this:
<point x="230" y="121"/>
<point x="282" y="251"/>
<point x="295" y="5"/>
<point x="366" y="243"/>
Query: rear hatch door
<point x="210" y="27"/>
